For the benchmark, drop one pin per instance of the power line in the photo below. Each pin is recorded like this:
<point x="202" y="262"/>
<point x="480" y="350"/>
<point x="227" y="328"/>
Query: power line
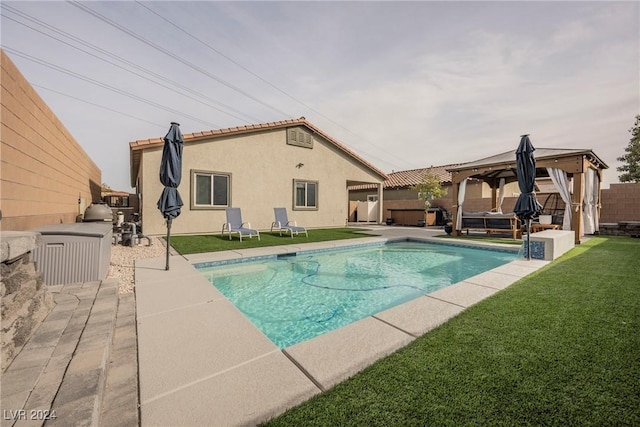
<point x="282" y="91"/>
<point x="122" y="60"/>
<point x="174" y="56"/>
<point x="104" y="85"/>
<point x="98" y="105"/>
<point x="151" y="73"/>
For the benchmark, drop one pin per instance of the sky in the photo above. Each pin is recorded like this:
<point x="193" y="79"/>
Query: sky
<point x="405" y="85"/>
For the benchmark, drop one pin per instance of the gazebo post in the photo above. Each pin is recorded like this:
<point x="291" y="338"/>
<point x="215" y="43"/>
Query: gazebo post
<point x="381" y="216"/>
<point x="576" y="201"/>
<point x="599" y="204"/>
<point x="494" y="195"/>
<point x="455" y="182"/>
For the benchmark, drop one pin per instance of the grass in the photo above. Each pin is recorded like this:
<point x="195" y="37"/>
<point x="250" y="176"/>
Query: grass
<point x="560" y="347"/>
<point x="213" y="243"/>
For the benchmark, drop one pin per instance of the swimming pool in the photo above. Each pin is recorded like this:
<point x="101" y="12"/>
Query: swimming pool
<point x="295" y="297"/>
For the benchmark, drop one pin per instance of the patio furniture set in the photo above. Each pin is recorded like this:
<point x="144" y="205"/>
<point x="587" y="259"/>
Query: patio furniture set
<point x="497" y="222"/>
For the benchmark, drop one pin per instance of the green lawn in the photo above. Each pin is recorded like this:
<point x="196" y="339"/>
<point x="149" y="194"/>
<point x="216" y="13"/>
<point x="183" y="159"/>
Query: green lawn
<point x="560" y="347"/>
<point x="215" y="242"/>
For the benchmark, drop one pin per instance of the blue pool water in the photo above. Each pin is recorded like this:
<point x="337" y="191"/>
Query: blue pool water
<point x="293" y="298"/>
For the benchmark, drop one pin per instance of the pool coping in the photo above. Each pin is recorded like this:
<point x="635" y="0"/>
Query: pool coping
<point x="202" y="362"/>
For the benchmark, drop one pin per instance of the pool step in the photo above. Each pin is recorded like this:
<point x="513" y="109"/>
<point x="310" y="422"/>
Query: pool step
<point x="287" y="255"/>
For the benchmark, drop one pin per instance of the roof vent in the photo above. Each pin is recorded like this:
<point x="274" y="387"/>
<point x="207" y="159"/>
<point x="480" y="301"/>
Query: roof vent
<point x="299" y="137"/>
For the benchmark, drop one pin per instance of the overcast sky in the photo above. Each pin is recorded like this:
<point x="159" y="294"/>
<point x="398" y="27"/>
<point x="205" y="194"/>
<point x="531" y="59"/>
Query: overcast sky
<point x="404" y="85"/>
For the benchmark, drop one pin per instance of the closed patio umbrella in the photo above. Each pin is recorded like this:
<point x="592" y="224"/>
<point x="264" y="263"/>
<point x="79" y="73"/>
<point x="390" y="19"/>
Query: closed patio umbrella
<point x="527" y="205"/>
<point x="170" y="201"/>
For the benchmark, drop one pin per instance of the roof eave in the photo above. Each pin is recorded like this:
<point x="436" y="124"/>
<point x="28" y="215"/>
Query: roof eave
<point x="136" y="147"/>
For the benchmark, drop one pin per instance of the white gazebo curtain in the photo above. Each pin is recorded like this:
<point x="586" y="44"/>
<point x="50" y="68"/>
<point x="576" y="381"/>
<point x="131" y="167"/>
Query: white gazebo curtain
<point x="461" y="193"/>
<point x="559" y="178"/>
<point x="590" y="202"/>
<point x="500" y="195"/>
<point x="596" y="198"/>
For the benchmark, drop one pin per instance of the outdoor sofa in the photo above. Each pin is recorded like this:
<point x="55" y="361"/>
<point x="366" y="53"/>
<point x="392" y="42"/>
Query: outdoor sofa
<point x="492" y="222"/>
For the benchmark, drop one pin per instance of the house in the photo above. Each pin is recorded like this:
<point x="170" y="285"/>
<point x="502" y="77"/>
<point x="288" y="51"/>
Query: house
<point x="399" y="185"/>
<point x="402" y="202"/>
<point x="47" y="177"/>
<point x="289" y="163"/>
<point x="121" y="202"/>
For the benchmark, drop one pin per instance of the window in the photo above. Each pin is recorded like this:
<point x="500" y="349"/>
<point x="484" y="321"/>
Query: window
<point x="210" y="190"/>
<point x="116" y="201"/>
<point x="305" y="194"/>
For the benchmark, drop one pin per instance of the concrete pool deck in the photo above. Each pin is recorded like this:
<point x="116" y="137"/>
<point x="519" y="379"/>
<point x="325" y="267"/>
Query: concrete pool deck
<point x="201" y="362"/>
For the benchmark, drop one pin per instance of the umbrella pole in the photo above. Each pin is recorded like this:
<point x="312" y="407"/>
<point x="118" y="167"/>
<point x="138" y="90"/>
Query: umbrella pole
<point x="528" y="241"/>
<point x="168" y="241"/>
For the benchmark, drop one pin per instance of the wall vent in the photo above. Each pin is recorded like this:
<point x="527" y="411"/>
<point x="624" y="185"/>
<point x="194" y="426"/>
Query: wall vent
<point x="300" y="137"/>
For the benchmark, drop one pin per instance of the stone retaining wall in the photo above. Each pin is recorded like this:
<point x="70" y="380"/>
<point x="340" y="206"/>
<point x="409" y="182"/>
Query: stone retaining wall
<point x="26" y="301"/>
<point x="622" y="228"/>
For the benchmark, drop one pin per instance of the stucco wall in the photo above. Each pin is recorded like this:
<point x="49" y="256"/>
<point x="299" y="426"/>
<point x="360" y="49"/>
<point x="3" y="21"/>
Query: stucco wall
<point x="391" y="194"/>
<point x="262" y="167"/>
<point x="43" y="168"/>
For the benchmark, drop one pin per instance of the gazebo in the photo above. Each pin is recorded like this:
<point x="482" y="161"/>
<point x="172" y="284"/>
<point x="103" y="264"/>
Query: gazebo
<point x="582" y="201"/>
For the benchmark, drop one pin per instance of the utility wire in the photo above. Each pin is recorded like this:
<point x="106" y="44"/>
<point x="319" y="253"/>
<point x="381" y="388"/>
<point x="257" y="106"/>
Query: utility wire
<point x="104" y="85"/>
<point x="122" y="68"/>
<point x="124" y="61"/>
<point x="184" y="61"/>
<point x="192" y="65"/>
<point x="170" y="22"/>
<point x="161" y="49"/>
<point x="98" y="105"/>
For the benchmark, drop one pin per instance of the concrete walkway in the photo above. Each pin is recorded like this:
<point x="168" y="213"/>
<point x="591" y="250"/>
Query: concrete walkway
<point x="203" y="363"/>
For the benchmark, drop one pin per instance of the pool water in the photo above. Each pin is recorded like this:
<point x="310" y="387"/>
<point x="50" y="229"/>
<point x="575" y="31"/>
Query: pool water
<point x="293" y="298"/>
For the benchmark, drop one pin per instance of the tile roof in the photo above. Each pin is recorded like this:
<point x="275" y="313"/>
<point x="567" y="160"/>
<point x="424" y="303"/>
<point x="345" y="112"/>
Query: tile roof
<point x="540" y="153"/>
<point x="115" y="193"/>
<point x="136" y="147"/>
<point x="409" y="178"/>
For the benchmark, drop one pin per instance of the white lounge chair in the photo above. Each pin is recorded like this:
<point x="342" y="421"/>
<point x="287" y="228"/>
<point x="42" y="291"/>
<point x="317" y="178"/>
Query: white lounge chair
<point x="234" y="224"/>
<point x="283" y="223"/>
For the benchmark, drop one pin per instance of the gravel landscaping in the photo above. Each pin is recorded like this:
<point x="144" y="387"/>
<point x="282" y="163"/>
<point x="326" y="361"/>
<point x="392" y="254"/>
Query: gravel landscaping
<point x="123" y="260"/>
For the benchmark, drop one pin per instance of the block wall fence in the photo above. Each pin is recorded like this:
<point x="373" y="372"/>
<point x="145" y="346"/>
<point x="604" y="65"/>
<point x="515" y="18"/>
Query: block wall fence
<point x="45" y="175"/>
<point x="620" y="202"/>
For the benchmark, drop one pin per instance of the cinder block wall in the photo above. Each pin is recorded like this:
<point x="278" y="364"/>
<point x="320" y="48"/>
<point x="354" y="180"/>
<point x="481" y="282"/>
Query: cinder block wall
<point x="621" y="202"/>
<point x="43" y="170"/>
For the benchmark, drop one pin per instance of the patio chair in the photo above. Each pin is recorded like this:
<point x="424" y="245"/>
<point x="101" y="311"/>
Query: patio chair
<point x="234" y="224"/>
<point x="283" y="223"/>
